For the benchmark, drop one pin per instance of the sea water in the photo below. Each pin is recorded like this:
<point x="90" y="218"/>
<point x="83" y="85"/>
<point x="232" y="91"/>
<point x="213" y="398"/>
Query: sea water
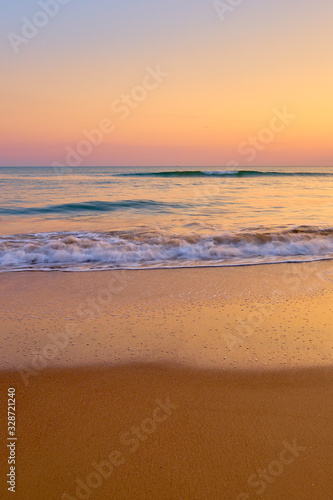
<point x="99" y="218"/>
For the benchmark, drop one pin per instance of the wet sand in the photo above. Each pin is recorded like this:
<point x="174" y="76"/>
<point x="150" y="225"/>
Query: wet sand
<point x="187" y="384"/>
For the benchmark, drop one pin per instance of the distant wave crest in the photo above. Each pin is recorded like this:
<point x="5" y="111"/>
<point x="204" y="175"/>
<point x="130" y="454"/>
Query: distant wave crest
<point x="93" y="206"/>
<point x="223" y="173"/>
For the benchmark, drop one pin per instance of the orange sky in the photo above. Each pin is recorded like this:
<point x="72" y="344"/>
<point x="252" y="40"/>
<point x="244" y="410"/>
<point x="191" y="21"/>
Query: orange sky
<point x="220" y="83"/>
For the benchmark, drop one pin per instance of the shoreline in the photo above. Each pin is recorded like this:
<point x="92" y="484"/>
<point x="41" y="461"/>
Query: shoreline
<point x="171" y="268"/>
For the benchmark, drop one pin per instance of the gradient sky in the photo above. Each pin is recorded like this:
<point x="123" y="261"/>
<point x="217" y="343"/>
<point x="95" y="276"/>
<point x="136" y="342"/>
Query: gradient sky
<point x="225" y="78"/>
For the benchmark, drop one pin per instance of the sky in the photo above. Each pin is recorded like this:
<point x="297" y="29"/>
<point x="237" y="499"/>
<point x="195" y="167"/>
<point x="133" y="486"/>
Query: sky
<point x="177" y="82"/>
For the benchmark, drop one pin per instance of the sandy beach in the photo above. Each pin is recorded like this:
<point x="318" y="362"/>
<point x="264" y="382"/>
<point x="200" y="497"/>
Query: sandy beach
<point x="171" y="384"/>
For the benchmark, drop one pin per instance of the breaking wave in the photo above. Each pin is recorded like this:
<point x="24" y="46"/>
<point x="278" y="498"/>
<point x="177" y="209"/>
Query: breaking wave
<point x="84" y="251"/>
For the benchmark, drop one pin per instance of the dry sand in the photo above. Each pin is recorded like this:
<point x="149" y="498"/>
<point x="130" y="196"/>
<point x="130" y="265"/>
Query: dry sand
<point x="185" y="384"/>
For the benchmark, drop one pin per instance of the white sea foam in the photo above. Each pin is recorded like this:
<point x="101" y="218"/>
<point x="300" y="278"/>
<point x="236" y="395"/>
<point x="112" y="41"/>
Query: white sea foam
<point x="84" y="251"/>
<point x="219" y="172"/>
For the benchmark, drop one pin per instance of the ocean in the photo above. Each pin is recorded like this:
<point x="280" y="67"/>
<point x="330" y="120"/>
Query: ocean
<point x="101" y="218"/>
